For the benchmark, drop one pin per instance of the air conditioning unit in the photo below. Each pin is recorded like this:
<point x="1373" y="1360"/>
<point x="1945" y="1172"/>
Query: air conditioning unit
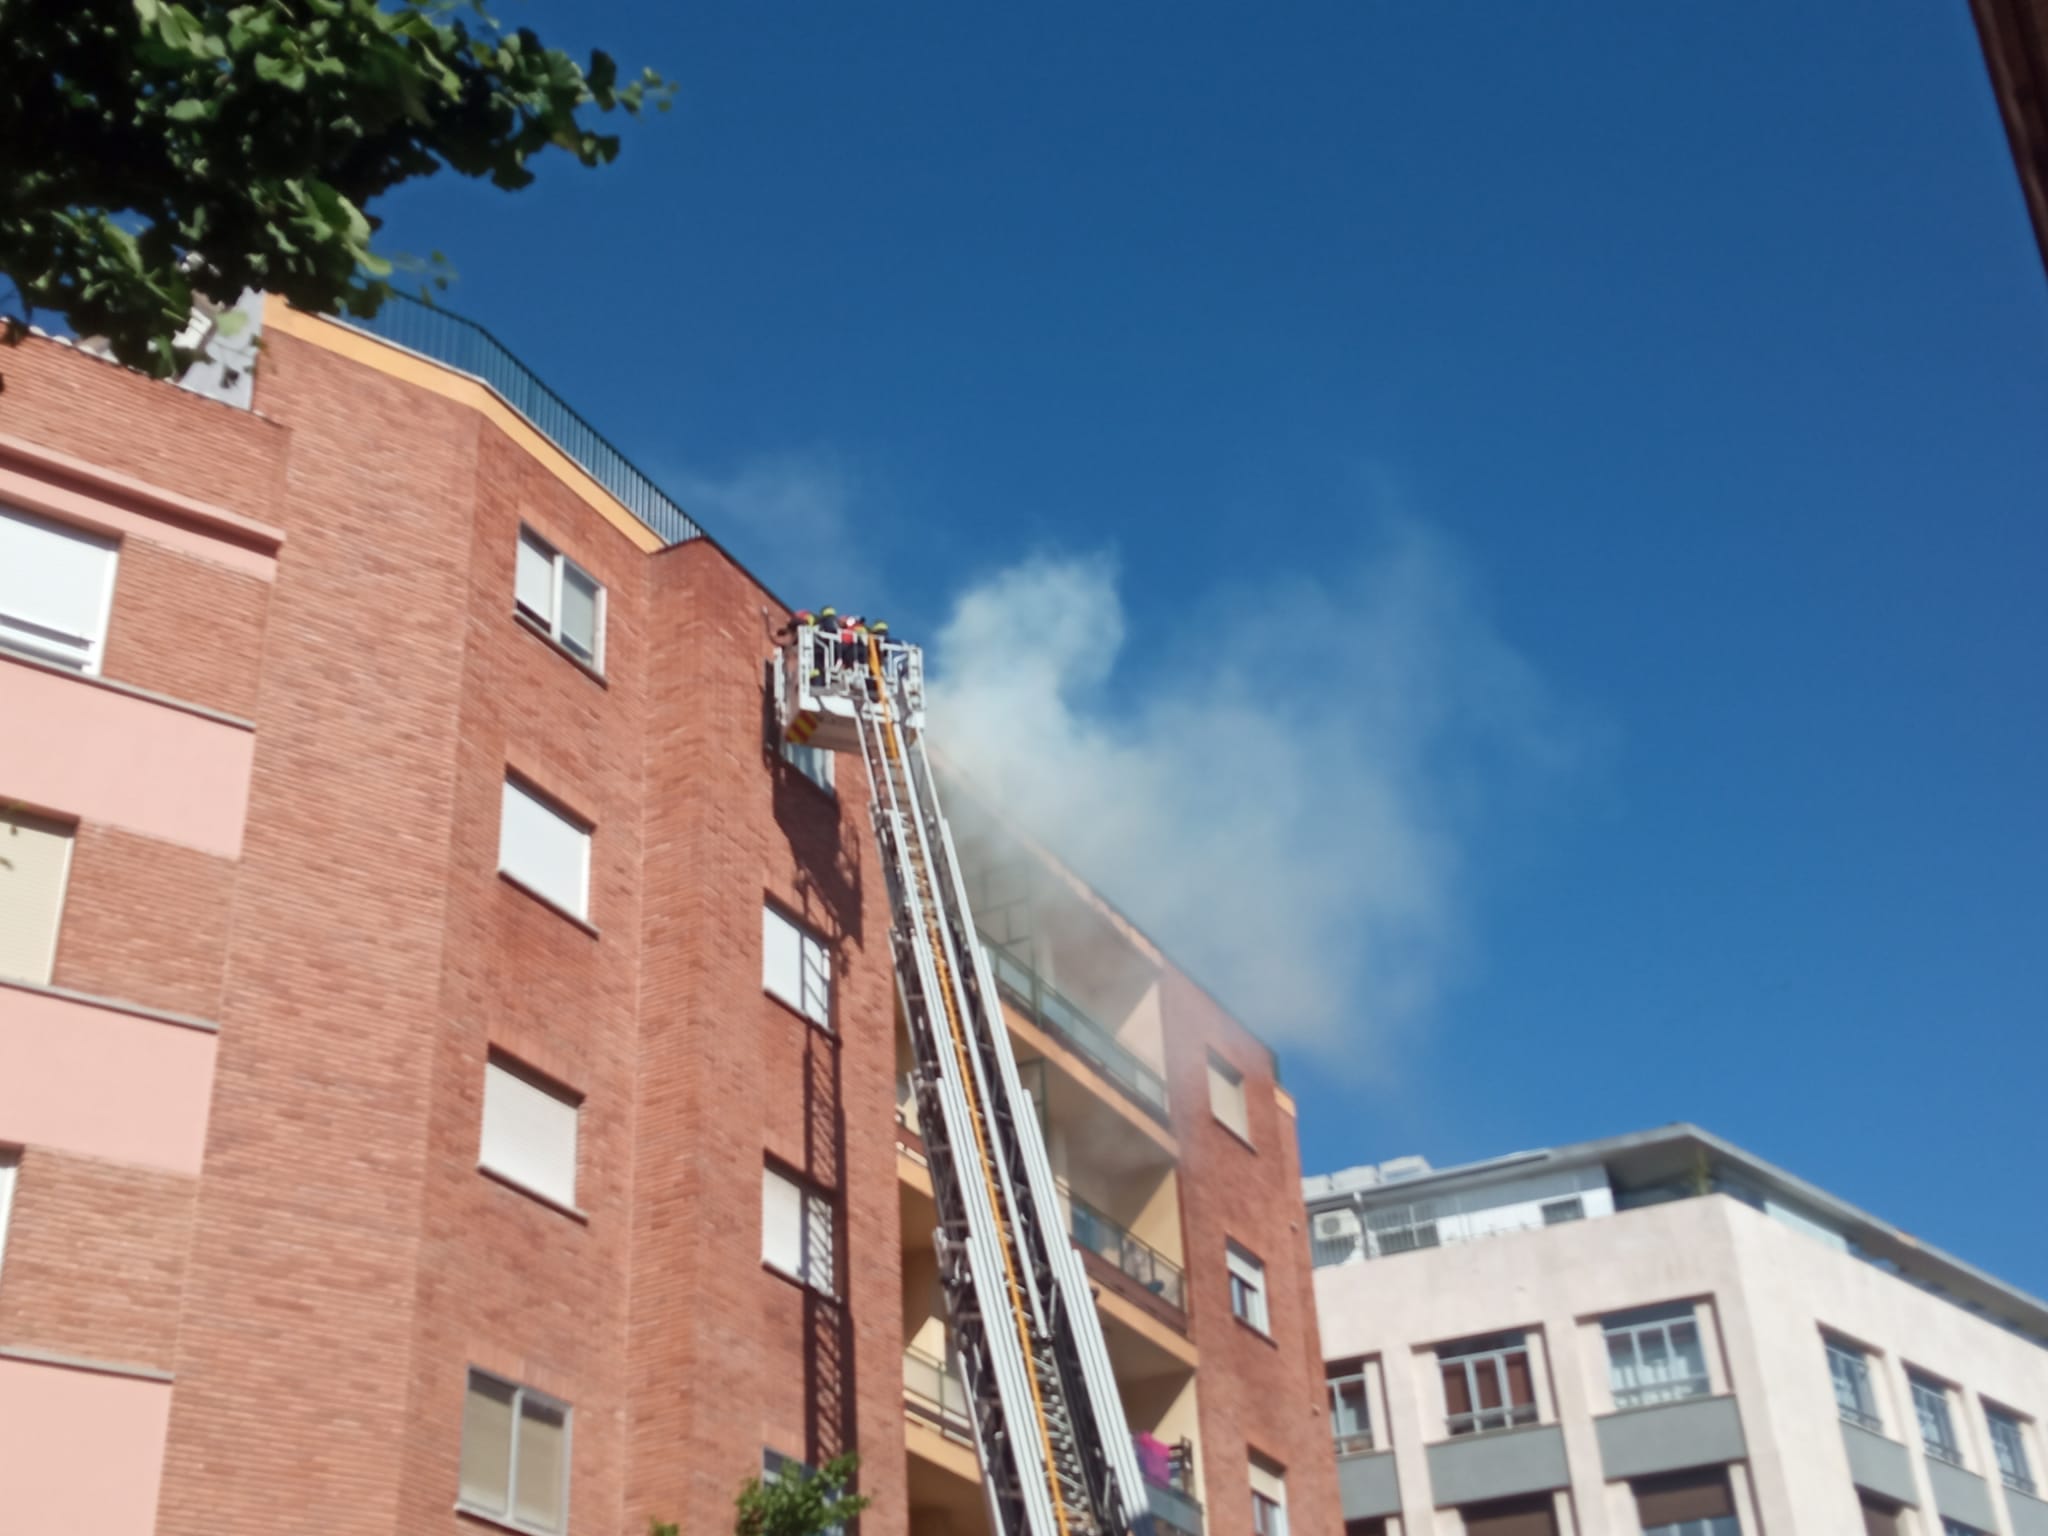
<point x="1334" y="1225"/>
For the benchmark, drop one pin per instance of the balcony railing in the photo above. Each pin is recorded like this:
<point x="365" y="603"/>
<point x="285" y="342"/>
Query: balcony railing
<point x="1648" y="1394"/>
<point x="1095" y="1233"/>
<point x="1350" y="1416"/>
<point x="468" y="348"/>
<point x="1169" y="1472"/>
<point x="1063" y="1018"/>
<point x="933" y="1392"/>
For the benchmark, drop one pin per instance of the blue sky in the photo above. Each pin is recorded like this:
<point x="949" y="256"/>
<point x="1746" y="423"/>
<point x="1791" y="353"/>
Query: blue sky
<point x="1662" y="387"/>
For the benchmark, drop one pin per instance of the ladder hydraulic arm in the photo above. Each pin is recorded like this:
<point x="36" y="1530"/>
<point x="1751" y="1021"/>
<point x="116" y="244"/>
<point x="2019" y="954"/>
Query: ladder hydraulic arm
<point x="1056" y="1455"/>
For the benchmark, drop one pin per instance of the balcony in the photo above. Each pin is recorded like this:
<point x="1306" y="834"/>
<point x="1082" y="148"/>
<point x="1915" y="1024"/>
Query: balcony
<point x="1169" y="1473"/>
<point x="1149" y="1269"/>
<point x="1067" y="1023"/>
<point x="933" y="1393"/>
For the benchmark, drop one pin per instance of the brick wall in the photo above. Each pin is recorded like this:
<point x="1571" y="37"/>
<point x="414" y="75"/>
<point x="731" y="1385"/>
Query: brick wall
<point x="145" y="921"/>
<point x="346" y="1259"/>
<point x="1256" y="1394"/>
<point x="95" y="1256"/>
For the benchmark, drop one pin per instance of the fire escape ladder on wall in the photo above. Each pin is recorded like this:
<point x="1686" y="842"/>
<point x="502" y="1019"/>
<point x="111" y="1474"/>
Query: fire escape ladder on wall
<point x="1056" y="1454"/>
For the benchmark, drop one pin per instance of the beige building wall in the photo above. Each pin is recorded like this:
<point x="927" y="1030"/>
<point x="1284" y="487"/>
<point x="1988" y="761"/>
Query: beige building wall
<point x="1766" y="1293"/>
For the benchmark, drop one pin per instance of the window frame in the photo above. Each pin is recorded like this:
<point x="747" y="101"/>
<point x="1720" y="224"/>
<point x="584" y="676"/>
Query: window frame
<point x="1995" y="1419"/>
<point x="520" y="1394"/>
<point x="1491" y="1353"/>
<point x="811" y="1199"/>
<point x="1863" y="1413"/>
<point x="1253" y="1285"/>
<point x="808" y="940"/>
<point x="519" y="784"/>
<point x="66" y="831"/>
<point x="512" y="1067"/>
<point x="10" y="1170"/>
<point x="1347" y="1381"/>
<point x="1634" y="1326"/>
<point x="550" y="624"/>
<point x="88" y="661"/>
<point x="1932" y="1402"/>
<point x="1233" y="1081"/>
<point x="1269" y="1509"/>
<point x="804" y="758"/>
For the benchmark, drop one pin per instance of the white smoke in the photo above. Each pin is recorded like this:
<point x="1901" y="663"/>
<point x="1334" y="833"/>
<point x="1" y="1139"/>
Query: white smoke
<point x="1285" y="790"/>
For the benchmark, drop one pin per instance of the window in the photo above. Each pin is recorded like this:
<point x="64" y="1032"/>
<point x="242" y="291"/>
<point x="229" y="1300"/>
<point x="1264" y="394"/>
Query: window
<point x="561" y="597"/>
<point x="56" y="583"/>
<point x="2009" y="1445"/>
<point x="1957" y="1528"/>
<point x="774" y="1464"/>
<point x="1350" y="1410"/>
<point x="1937" y="1431"/>
<point x="545" y="849"/>
<point x="515" y="1454"/>
<point x="814" y="763"/>
<point x="1226" y="1096"/>
<point x="1557" y="1211"/>
<point x="796" y="967"/>
<point x="1850" y="1369"/>
<point x="1402" y="1229"/>
<point x="796" y="1231"/>
<point x="1487" y="1384"/>
<point x="529" y="1131"/>
<point x="1880" y="1516"/>
<point x="1655" y="1357"/>
<point x="1534" y="1515"/>
<point x="1694" y="1503"/>
<point x="8" y="1163"/>
<point x="1247" y="1287"/>
<point x="35" y="852"/>
<point x="1269" y="1498"/>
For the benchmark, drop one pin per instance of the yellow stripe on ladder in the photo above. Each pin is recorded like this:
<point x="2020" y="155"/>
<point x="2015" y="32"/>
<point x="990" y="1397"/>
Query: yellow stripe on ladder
<point x="933" y="937"/>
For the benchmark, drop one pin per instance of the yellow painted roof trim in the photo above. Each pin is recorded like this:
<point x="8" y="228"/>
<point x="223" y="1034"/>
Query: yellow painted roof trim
<point x="436" y="378"/>
<point x="1285" y="1100"/>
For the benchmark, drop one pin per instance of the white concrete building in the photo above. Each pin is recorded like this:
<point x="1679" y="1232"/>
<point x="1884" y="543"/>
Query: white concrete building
<point x="1662" y="1334"/>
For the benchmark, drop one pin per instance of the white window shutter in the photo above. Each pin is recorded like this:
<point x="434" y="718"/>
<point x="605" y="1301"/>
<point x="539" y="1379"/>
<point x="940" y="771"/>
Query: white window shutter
<point x="529" y="1134"/>
<point x="782" y="958"/>
<point x="782" y="1224"/>
<point x="580" y="608"/>
<point x="55" y="585"/>
<point x="817" y="992"/>
<point x="534" y="585"/>
<point x="543" y="849"/>
<point x="35" y="853"/>
<point x="819" y="1271"/>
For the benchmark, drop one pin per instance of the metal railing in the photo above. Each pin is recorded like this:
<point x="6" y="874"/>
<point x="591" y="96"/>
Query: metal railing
<point x="934" y="1392"/>
<point x="1860" y="1419"/>
<point x="1027" y="989"/>
<point x="1485" y="1420"/>
<point x="1095" y="1233"/>
<point x="1350" y="1415"/>
<point x="1169" y="1473"/>
<point x="467" y="347"/>
<point x="1675" y="1390"/>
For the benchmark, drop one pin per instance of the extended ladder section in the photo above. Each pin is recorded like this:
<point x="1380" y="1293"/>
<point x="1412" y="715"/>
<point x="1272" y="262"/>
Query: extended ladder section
<point x="1056" y="1454"/>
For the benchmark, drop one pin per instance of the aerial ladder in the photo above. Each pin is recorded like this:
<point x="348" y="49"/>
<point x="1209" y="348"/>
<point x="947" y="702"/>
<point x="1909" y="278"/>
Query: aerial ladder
<point x="1056" y="1454"/>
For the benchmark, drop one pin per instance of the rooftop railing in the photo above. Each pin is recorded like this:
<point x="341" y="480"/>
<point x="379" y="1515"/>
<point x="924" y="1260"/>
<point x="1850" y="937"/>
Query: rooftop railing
<point x="467" y="347"/>
<point x="1065" y="1019"/>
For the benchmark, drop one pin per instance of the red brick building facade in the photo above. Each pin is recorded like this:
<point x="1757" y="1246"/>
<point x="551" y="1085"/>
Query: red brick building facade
<point x="252" y="1256"/>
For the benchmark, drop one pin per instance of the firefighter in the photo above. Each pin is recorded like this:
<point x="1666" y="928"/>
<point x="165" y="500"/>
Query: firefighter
<point x="828" y="630"/>
<point x="799" y="621"/>
<point x="853" y="640"/>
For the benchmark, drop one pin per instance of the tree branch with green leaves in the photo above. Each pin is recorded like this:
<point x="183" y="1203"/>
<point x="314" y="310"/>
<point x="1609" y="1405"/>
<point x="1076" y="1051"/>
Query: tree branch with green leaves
<point x="160" y="153"/>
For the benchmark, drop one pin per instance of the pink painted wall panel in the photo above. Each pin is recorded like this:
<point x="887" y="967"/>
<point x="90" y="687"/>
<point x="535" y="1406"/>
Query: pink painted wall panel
<point x="106" y="1084"/>
<point x="81" y="1452"/>
<point x="81" y="750"/>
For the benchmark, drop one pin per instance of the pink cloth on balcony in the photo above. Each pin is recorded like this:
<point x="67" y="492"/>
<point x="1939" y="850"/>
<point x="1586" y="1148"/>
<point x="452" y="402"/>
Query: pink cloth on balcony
<point x="1155" y="1460"/>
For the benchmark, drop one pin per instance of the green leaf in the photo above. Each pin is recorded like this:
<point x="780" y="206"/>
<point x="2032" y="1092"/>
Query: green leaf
<point x="191" y="110"/>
